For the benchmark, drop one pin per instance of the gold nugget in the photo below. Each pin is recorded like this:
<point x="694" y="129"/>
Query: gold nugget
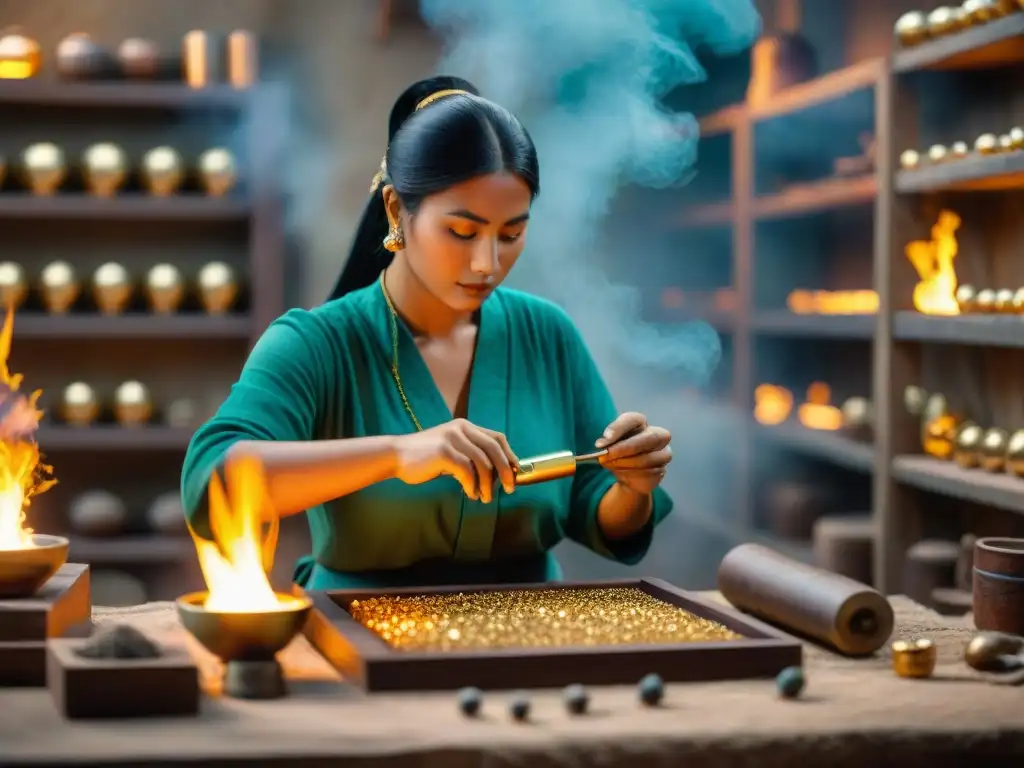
<point x="914" y="658"/>
<point x="532" y="618"/>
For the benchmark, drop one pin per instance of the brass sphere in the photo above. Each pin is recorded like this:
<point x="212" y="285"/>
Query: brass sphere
<point x="967" y="452"/>
<point x="79" y="404"/>
<point x="985" y="300"/>
<point x="966" y="297"/>
<point x="910" y="159"/>
<point x="13" y="285"/>
<point x="978" y="11"/>
<point x="162" y="171"/>
<point x="937" y="153"/>
<point x="132" y="405"/>
<point x="165" y="288"/>
<point x="914" y="658"/>
<point x="1018" y="301"/>
<point x="988" y="651"/>
<point x="1015" y="453"/>
<point x="45" y="168"/>
<point x="20" y="57"/>
<point x="139" y="58"/>
<point x="218" y="288"/>
<point x="993" y="450"/>
<point x="938" y="437"/>
<point x="911" y="28"/>
<point x="857" y="417"/>
<point x="958" y="150"/>
<point x="59" y="287"/>
<point x="987" y="144"/>
<point x="914" y="400"/>
<point x="943" y="20"/>
<point x="218" y="171"/>
<point x="1004" y="300"/>
<point x="1006" y="143"/>
<point x="112" y="288"/>
<point x="1016" y="136"/>
<point x="106" y="168"/>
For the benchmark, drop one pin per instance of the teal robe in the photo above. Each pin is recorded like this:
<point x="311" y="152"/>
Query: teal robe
<point x="325" y="374"/>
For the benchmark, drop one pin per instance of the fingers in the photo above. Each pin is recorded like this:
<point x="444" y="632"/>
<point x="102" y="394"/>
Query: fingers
<point x="461" y="468"/>
<point x="650" y="440"/>
<point x="483" y="469"/>
<point x="498" y="451"/>
<point x="658" y="459"/>
<point x="622" y="426"/>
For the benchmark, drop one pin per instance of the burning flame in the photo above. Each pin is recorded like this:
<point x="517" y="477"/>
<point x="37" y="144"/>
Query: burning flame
<point x="22" y="474"/>
<point x="833" y="302"/>
<point x="236" y="562"/>
<point x="817" y="412"/>
<point x="935" y="292"/>
<point x="772" y="404"/>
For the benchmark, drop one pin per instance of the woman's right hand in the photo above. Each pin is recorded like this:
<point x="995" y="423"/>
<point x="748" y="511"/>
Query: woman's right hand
<point x="474" y="456"/>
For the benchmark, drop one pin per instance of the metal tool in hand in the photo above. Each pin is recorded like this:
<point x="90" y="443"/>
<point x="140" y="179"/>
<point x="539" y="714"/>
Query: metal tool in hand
<point x="553" y="466"/>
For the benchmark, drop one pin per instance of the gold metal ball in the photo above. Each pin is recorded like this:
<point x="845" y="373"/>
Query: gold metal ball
<point x="1004" y="300"/>
<point x="79" y="405"/>
<point x="914" y="400"/>
<point x="106" y="168"/>
<point x="968" y="446"/>
<point x="910" y="159"/>
<point x="937" y="153"/>
<point x="218" y="171"/>
<point x="911" y="28"/>
<point x="112" y="288"/>
<point x="132" y="404"/>
<point x="20" y="57"/>
<point x="59" y="287"/>
<point x="13" y="285"/>
<point x="1016" y="136"/>
<point x="1005" y="143"/>
<point x="992" y="456"/>
<point x="162" y="171"/>
<point x="218" y="287"/>
<point x="966" y="296"/>
<point x="943" y="20"/>
<point x="985" y="301"/>
<point x="986" y="651"/>
<point x="165" y="288"/>
<point x="856" y="412"/>
<point x="978" y="11"/>
<point x="1015" y="453"/>
<point x="987" y="144"/>
<point x="1018" y="301"/>
<point x="958" y="150"/>
<point x="914" y="658"/>
<point x="45" y="168"/>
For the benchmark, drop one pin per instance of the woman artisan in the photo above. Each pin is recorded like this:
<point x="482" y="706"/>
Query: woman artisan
<point x="394" y="413"/>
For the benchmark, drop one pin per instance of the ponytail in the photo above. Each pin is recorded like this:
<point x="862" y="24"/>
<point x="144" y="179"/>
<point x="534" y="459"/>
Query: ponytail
<point x="367" y="257"/>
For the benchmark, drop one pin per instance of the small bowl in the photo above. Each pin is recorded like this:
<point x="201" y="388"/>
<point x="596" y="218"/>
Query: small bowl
<point x="243" y="636"/>
<point x="23" y="572"/>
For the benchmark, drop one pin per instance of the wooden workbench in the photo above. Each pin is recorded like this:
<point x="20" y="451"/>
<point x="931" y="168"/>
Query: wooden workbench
<point x="854" y="713"/>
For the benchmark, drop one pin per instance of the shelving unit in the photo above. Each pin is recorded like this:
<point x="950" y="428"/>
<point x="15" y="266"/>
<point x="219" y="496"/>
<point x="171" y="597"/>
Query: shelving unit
<point x="951" y="355"/>
<point x="189" y="354"/>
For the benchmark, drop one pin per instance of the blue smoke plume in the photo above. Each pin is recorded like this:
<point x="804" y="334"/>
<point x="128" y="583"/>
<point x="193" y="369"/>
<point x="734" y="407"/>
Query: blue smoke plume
<point x="587" y="77"/>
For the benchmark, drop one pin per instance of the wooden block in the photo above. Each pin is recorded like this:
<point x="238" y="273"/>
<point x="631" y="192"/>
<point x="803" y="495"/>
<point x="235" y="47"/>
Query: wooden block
<point x="121" y="688"/>
<point x="65" y="601"/>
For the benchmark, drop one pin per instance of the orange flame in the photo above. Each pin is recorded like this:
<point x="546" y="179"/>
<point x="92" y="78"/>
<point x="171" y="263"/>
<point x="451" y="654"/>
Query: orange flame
<point x="236" y="562"/>
<point x="772" y="404"/>
<point x="22" y="474"/>
<point x="817" y="412"/>
<point x="935" y="292"/>
<point x="802" y="302"/>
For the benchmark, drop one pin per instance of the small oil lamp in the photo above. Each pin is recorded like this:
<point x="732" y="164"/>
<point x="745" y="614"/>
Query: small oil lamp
<point x="27" y="559"/>
<point x="240" y="619"/>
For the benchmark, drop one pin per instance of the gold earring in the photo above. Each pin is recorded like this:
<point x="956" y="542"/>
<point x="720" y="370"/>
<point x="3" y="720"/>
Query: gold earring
<point x="395" y="240"/>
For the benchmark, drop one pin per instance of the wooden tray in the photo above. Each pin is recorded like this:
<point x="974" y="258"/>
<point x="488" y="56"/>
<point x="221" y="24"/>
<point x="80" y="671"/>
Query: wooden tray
<point x="366" y="660"/>
<point x="62" y="607"/>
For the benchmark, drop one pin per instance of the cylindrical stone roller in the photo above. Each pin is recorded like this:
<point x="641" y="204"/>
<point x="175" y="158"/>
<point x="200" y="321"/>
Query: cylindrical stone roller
<point x="852" y="618"/>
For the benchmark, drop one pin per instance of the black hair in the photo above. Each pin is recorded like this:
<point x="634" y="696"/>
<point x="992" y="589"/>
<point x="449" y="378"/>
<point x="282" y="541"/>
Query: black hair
<point x="454" y="139"/>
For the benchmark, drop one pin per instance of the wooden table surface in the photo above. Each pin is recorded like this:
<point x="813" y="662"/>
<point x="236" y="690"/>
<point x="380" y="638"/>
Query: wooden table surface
<point x="854" y="713"/>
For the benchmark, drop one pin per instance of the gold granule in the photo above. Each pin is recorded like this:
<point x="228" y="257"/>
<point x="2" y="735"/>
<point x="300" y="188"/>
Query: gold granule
<point x="533" y="618"/>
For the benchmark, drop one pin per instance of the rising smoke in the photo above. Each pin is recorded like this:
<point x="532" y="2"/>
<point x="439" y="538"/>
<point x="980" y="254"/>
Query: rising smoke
<point x="587" y="77"/>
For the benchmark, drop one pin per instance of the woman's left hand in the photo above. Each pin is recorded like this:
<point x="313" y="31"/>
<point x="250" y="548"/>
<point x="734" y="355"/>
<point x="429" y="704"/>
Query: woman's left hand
<point x="637" y="452"/>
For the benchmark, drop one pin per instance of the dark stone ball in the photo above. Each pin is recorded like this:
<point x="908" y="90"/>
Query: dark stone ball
<point x="576" y="699"/>
<point x="790" y="682"/>
<point x="652" y="690"/>
<point x="470" y="701"/>
<point x="519" y="706"/>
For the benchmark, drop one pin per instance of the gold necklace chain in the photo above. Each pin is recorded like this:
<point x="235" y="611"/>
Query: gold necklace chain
<point x="394" y="355"/>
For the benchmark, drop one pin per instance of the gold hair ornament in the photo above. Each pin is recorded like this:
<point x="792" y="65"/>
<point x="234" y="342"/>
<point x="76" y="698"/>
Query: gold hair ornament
<point x="378" y="178"/>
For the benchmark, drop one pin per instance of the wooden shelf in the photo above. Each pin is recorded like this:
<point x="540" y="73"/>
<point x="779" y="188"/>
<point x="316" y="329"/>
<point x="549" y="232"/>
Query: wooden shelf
<point x="828" y="87"/>
<point x="946" y="478"/>
<point x="706" y="215"/>
<point x="132" y="550"/>
<point x="133" y="326"/>
<point x="112" y="438"/>
<point x="138" y="207"/>
<point x="826" y="445"/>
<point x="805" y="199"/>
<point x="976" y="172"/>
<point x="997" y="43"/>
<point x="981" y="330"/>
<point x="722" y="121"/>
<point x="151" y="95"/>
<point x="782" y="322"/>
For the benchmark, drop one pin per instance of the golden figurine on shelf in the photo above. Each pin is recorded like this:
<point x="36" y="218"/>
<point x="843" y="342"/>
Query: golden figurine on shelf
<point x="935" y="292"/>
<point x="915" y="27"/>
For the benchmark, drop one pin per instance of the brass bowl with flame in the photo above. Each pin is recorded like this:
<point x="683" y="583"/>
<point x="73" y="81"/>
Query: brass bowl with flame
<point x="23" y="572"/>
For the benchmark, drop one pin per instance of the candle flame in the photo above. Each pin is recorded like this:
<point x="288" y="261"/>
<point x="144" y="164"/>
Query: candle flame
<point x="935" y="292"/>
<point x="801" y="302"/>
<point x="772" y="404"/>
<point x="818" y="412"/>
